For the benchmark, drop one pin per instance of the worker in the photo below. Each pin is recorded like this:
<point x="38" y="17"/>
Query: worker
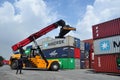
<point x="19" y="65"/>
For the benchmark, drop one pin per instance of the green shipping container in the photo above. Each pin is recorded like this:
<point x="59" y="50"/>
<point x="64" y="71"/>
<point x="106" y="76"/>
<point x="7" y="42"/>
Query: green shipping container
<point x="66" y="63"/>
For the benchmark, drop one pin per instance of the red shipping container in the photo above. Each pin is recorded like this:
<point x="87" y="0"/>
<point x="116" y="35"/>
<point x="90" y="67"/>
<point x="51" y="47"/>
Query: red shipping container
<point x="106" y="29"/>
<point x="6" y="62"/>
<point x="91" y="58"/>
<point x="106" y="63"/>
<point x="91" y="53"/>
<point x="77" y="52"/>
<point x="88" y="41"/>
<point x="87" y="63"/>
<point x="92" y="64"/>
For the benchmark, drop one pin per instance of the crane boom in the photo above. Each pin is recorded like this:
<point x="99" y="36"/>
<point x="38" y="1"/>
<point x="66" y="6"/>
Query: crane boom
<point x="41" y="33"/>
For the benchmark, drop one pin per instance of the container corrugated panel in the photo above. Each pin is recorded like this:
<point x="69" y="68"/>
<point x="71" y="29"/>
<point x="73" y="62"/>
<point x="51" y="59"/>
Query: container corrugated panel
<point x="82" y="64"/>
<point x="82" y="54"/>
<point x="82" y="45"/>
<point x="66" y="63"/>
<point x="87" y="54"/>
<point x="90" y="41"/>
<point x="61" y="52"/>
<point x="76" y="52"/>
<point x="77" y="63"/>
<point x="107" y="45"/>
<point x="59" y="42"/>
<point x="106" y="29"/>
<point x="91" y="58"/>
<point x="92" y="64"/>
<point x="40" y="41"/>
<point x="87" y="46"/>
<point x="106" y="63"/>
<point x="87" y="66"/>
<point x="77" y="42"/>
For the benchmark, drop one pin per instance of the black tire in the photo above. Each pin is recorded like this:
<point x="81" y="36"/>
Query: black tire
<point x="13" y="65"/>
<point x="55" y="66"/>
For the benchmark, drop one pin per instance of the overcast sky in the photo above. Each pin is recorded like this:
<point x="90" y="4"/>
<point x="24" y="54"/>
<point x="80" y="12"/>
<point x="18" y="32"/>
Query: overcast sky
<point x="20" y="18"/>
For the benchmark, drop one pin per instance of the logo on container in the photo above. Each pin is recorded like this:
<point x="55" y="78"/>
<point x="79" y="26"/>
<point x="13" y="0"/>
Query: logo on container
<point x="56" y="43"/>
<point x="54" y="53"/>
<point x="105" y="45"/>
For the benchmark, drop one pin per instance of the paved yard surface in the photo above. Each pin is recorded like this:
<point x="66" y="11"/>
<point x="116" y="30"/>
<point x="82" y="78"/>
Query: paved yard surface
<point x="79" y="74"/>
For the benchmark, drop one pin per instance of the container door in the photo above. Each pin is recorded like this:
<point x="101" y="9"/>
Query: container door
<point x="77" y="52"/>
<point x="71" y="62"/>
<point x="77" y="63"/>
<point x="82" y="64"/>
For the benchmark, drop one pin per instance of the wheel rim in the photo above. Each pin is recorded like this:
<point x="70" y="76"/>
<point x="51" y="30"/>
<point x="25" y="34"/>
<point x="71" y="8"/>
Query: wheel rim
<point x="55" y="67"/>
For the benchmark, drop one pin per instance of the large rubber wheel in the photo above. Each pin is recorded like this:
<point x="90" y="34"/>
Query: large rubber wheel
<point x="55" y="66"/>
<point x="13" y="65"/>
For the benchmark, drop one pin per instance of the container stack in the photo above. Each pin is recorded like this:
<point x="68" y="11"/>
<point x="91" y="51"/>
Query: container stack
<point x="107" y="46"/>
<point x="66" y="50"/>
<point x="84" y="56"/>
<point x="90" y="60"/>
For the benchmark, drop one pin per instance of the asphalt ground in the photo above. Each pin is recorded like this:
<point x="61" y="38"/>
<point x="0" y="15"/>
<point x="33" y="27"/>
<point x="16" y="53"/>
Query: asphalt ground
<point x="77" y="74"/>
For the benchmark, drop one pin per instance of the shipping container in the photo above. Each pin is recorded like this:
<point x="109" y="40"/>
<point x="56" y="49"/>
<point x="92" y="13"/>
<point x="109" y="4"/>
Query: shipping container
<point x="77" y="53"/>
<point x="91" y="52"/>
<point x="29" y="47"/>
<point x="87" y="54"/>
<point x="82" y="45"/>
<point x="106" y="29"/>
<point x="61" y="52"/>
<point x="90" y="41"/>
<point x="92" y="64"/>
<point x="60" y="42"/>
<point x="87" y="46"/>
<point x="91" y="59"/>
<point x="107" y="63"/>
<point x="40" y="41"/>
<point x="5" y="62"/>
<point x="107" y="45"/>
<point x="66" y="63"/>
<point x="77" y="42"/>
<point x="82" y="54"/>
<point x="87" y="64"/>
<point x="82" y="63"/>
<point x="77" y="63"/>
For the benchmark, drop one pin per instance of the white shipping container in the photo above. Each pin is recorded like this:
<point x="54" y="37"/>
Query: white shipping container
<point x="77" y="63"/>
<point x="82" y="45"/>
<point x="40" y="41"/>
<point x="59" y="42"/>
<point x="107" y="45"/>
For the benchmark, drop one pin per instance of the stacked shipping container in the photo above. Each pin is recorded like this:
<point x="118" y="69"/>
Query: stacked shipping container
<point x="66" y="50"/>
<point x="71" y="52"/>
<point x="84" y="58"/>
<point x="107" y="46"/>
<point x="89" y="62"/>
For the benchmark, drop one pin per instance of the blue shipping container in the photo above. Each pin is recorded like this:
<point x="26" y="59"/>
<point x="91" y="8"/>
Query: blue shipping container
<point x="29" y="47"/>
<point x="77" y="42"/>
<point x="82" y="54"/>
<point x="61" y="52"/>
<point x="82" y="64"/>
<point x="87" y="46"/>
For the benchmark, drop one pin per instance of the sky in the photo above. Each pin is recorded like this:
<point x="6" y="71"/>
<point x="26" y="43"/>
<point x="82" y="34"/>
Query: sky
<point x="21" y="18"/>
